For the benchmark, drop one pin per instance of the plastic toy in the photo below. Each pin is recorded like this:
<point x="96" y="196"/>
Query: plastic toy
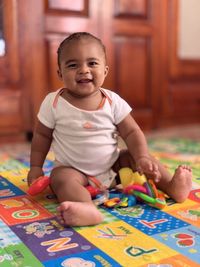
<point x="151" y="188"/>
<point x="131" y="201"/>
<point x="110" y="203"/>
<point x="42" y="182"/>
<point x="145" y="190"/>
<point x="135" y="187"/>
<point x="93" y="191"/>
<point x="159" y="203"/>
<point x="39" y="185"/>
<point x="101" y="198"/>
<point x="128" y="177"/>
<point x="115" y="193"/>
<point x="123" y="202"/>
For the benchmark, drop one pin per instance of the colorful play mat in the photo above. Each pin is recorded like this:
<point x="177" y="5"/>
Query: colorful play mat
<point x="140" y="235"/>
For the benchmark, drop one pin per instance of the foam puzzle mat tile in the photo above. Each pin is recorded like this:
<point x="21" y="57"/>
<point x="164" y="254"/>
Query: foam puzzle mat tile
<point x="138" y="236"/>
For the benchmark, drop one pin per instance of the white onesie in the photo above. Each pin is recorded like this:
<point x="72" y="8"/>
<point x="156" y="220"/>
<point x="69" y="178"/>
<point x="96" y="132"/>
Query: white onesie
<point x="84" y="140"/>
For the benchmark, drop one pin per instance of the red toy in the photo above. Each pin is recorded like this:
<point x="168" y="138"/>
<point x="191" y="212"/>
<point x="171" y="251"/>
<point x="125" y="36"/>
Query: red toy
<point x="93" y="191"/>
<point x="38" y="185"/>
<point x="41" y="183"/>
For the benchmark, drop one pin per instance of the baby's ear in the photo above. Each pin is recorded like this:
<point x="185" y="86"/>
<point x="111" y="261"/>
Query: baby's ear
<point x="59" y="74"/>
<point x="106" y="70"/>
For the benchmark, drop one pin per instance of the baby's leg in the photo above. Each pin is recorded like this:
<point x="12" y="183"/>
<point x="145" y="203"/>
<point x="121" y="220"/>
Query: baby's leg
<point x="177" y="186"/>
<point x="76" y="208"/>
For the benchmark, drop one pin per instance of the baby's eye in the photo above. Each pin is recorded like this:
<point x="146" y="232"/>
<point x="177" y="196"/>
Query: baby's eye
<point x="93" y="63"/>
<point x="72" y="66"/>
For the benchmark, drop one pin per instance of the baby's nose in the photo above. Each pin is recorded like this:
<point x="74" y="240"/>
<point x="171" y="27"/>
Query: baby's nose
<point x="84" y="68"/>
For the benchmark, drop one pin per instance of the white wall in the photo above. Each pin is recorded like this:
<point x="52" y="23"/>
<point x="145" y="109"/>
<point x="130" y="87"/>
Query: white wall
<point x="189" y="29"/>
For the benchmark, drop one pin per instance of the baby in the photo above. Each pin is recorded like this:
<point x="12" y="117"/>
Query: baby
<point x="81" y="121"/>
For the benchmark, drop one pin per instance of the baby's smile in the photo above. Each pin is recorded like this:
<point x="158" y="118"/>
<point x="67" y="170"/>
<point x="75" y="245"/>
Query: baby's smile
<point x="85" y="81"/>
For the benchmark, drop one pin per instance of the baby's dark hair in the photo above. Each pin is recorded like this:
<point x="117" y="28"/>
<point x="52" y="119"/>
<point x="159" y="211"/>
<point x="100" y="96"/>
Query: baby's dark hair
<point x="76" y="37"/>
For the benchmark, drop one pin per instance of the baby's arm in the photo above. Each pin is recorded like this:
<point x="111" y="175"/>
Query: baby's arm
<point x="137" y="146"/>
<point x="40" y="146"/>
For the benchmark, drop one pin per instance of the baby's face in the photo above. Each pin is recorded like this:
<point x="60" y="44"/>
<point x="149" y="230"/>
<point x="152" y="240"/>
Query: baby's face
<point x="83" y="67"/>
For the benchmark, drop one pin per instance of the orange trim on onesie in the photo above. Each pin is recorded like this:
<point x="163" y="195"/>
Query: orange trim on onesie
<point x="100" y="105"/>
<point x="107" y="96"/>
<point x="57" y="96"/>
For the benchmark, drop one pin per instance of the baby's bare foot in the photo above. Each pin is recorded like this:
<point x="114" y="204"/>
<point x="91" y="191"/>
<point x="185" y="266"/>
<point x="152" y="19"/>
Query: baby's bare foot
<point x="181" y="183"/>
<point x="79" y="213"/>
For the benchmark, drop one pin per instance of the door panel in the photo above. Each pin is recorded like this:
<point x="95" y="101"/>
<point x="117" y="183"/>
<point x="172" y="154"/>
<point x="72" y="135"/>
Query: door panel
<point x="132" y="8"/>
<point x="132" y="56"/>
<point x="131" y="37"/>
<point x="10" y="92"/>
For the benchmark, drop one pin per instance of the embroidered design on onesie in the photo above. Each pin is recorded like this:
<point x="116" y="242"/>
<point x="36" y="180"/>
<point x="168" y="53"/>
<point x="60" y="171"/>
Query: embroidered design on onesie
<point x="88" y="125"/>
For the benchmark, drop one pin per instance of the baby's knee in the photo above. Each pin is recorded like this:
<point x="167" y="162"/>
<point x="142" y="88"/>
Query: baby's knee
<point x="61" y="176"/>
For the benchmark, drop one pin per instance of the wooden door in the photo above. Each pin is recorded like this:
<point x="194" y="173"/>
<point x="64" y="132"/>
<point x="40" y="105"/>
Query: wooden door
<point x="22" y="66"/>
<point x="10" y="75"/>
<point x="131" y="32"/>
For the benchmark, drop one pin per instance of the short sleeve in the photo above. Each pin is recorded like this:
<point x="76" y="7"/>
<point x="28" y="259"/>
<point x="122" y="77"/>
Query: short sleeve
<point x="120" y="108"/>
<point x="46" y="114"/>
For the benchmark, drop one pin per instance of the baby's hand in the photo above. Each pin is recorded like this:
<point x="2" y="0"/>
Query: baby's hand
<point x="33" y="174"/>
<point x="146" y="165"/>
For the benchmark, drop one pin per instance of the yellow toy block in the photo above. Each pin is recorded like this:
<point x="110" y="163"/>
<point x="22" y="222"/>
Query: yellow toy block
<point x="128" y="177"/>
<point x="139" y="179"/>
